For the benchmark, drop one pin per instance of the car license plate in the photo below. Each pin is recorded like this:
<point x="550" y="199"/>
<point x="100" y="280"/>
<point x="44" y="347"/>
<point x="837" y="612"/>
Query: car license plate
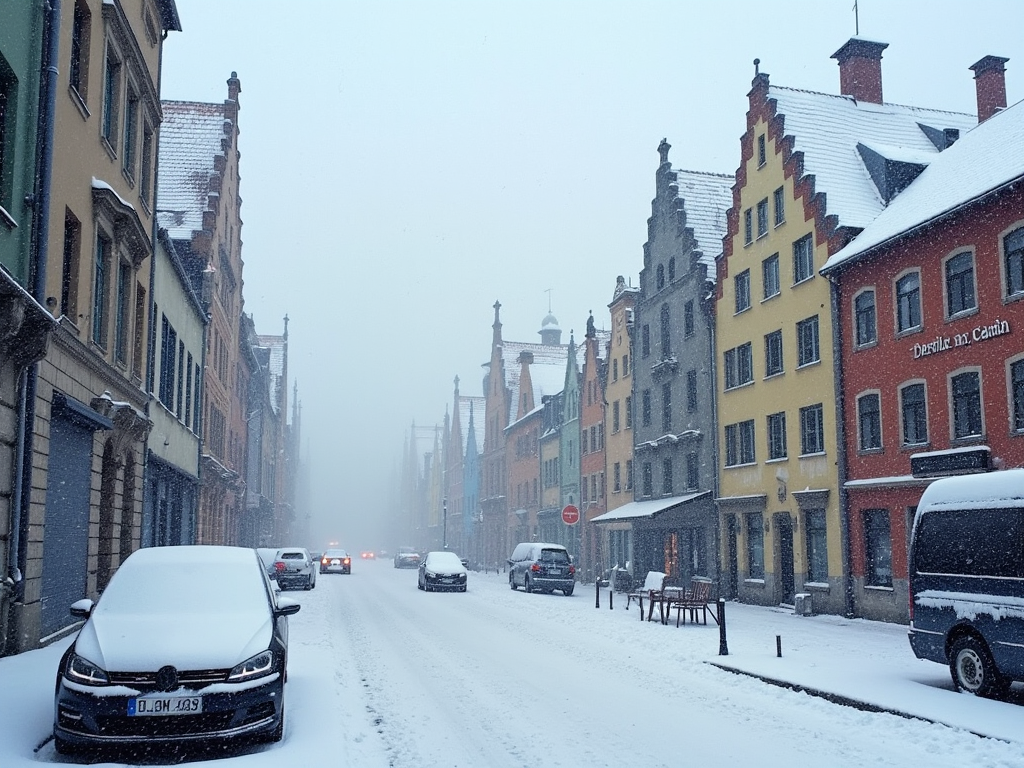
<point x="335" y="562"/>
<point x="446" y="580"/>
<point x="165" y="705"/>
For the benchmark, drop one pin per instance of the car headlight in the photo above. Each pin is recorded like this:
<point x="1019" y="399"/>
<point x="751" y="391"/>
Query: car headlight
<point x="83" y="671"/>
<point x="259" y="665"/>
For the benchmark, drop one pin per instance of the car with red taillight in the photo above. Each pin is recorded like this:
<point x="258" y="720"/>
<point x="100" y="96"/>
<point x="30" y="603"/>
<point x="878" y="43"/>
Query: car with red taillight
<point x="541" y="567"/>
<point x="336" y="561"/>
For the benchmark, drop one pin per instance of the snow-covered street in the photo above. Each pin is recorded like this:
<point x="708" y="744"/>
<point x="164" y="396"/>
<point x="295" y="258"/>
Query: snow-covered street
<point x="382" y="674"/>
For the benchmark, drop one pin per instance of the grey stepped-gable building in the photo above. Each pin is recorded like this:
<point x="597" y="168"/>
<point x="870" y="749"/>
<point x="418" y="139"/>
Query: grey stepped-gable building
<point x="673" y="377"/>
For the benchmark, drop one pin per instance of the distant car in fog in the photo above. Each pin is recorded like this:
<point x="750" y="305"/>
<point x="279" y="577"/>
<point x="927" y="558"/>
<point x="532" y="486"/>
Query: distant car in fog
<point x="442" y="571"/>
<point x="367" y="555"/>
<point x="407" y="557"/>
<point x="335" y="561"/>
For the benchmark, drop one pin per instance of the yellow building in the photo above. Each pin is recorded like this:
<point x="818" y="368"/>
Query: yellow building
<point x="814" y="172"/>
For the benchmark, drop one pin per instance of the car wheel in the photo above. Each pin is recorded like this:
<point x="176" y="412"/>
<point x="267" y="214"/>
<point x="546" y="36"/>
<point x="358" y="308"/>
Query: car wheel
<point x="526" y="585"/>
<point x="511" y="582"/>
<point x="568" y="591"/>
<point x="974" y="671"/>
<point x="462" y="588"/>
<point x="63" y="746"/>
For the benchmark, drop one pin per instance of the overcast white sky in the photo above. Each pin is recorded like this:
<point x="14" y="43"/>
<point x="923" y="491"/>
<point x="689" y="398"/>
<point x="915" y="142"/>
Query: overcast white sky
<point x="404" y="164"/>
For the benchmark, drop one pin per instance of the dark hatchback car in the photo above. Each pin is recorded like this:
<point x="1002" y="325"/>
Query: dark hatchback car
<point x="336" y="561"/>
<point x="158" y="662"/>
<point x="540" y="567"/>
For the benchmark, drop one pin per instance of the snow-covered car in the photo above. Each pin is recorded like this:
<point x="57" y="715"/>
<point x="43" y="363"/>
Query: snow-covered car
<point x="442" y="571"/>
<point x="157" y="663"/>
<point x="336" y="561"/>
<point x="541" y="567"/>
<point x="268" y="555"/>
<point x="294" y="568"/>
<point x="407" y="557"/>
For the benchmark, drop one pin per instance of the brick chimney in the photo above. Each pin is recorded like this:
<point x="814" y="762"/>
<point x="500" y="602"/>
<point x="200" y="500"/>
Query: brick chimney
<point x="990" y="81"/>
<point x="860" y="69"/>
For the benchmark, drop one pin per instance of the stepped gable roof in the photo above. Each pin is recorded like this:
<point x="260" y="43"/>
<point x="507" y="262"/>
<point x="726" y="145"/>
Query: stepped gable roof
<point x="277" y="345"/>
<point x="984" y="159"/>
<point x="827" y="129"/>
<point x="467" y="402"/>
<point x="192" y="134"/>
<point x="707" y="198"/>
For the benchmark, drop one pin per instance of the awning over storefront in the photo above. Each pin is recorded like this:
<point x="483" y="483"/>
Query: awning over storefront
<point x="647" y="510"/>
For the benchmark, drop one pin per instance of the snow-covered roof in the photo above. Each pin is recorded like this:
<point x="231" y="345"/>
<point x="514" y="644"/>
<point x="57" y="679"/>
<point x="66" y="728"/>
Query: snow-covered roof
<point x="827" y="129"/>
<point x="638" y="510"/>
<point x="707" y="198"/>
<point x="191" y="136"/>
<point x="985" y="158"/>
<point x="278" y="346"/>
<point x="547" y="371"/>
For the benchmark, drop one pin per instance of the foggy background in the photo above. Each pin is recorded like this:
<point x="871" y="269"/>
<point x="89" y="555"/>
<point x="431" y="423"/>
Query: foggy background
<point x="405" y="164"/>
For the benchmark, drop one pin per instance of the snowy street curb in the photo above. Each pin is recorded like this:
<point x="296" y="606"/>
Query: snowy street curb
<point x="845" y="701"/>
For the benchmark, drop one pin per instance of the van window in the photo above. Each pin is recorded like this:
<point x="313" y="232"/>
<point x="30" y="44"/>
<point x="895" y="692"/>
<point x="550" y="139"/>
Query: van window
<point x="979" y="542"/>
<point x="559" y="556"/>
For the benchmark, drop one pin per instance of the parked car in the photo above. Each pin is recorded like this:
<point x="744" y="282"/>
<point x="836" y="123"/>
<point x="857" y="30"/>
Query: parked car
<point x="294" y="568"/>
<point x="407" y="557"/>
<point x="541" y="567"/>
<point x="157" y="663"/>
<point x="267" y="556"/>
<point x="442" y="571"/>
<point x="336" y="561"/>
<point x="967" y="579"/>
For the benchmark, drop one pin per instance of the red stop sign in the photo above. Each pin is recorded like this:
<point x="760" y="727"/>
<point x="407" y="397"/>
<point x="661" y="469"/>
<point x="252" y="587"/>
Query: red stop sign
<point x="570" y="515"/>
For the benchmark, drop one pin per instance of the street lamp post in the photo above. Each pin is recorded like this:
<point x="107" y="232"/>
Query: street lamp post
<point x="444" y="525"/>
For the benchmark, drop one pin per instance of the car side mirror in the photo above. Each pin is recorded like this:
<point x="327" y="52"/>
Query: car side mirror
<point x="82" y="608"/>
<point x="286" y="607"/>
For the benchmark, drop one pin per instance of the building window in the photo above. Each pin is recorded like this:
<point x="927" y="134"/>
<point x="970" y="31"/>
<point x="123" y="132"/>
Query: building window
<point x="773" y="353"/>
<point x="770" y="276"/>
<point x="688" y="325"/>
<point x="777" y="435"/>
<point x="869" y="422"/>
<point x="666" y="406"/>
<point x="803" y="259"/>
<point x="1017" y="393"/>
<point x="914" y="411"/>
<point x="615" y="370"/>
<point x="584" y="443"/>
<point x="647" y="488"/>
<point x="100" y="291"/>
<point x="661" y="276"/>
<point x="960" y="284"/>
<point x="877" y="548"/>
<point x="629" y="474"/>
<point x="966" y="391"/>
<point x="645" y="340"/>
<point x="908" y="302"/>
<point x="629" y="412"/>
<point x="864" y="318"/>
<point x="807" y="341"/>
<point x="1013" y="261"/>
<point x="812" y="430"/>
<point x="121" y="319"/>
<point x="666" y="332"/>
<point x="692" y="472"/>
<point x="645" y="408"/>
<point x="755" y="546"/>
<point x="615" y="417"/>
<point x="131" y="129"/>
<point x="188" y="391"/>
<point x="748" y="226"/>
<point x="616" y="477"/>
<point x="762" y="154"/>
<point x="817" y="546"/>
<point x="78" y="69"/>
<point x="691" y="391"/>
<point x="739" y="367"/>
<point x="625" y="366"/>
<point x="672" y="268"/>
<point x="762" y="218"/>
<point x="780" y="206"/>
<point x="69" y="268"/>
<point x="666" y="476"/>
<point x="741" y="284"/>
<point x="111" y="100"/>
<point x="168" y="352"/>
<point x="739" y="443"/>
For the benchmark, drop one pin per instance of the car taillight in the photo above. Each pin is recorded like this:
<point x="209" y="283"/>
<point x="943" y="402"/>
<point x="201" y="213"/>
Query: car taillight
<point x="279" y="566"/>
<point x="535" y="568"/>
<point x="572" y="570"/>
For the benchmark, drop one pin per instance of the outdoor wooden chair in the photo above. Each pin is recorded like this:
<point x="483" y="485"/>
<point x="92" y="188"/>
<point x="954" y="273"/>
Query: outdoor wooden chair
<point x="694" y="601"/>
<point x="652" y="589"/>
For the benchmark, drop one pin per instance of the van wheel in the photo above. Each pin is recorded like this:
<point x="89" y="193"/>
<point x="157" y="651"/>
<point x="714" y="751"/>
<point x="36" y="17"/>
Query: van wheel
<point x="568" y="591"/>
<point x="974" y="671"/>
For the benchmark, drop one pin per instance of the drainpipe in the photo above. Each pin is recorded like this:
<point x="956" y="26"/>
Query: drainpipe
<point x="843" y="497"/>
<point x="20" y="501"/>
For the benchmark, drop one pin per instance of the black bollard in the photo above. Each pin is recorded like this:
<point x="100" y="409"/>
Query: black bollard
<point x="610" y="593"/>
<point x="723" y="646"/>
<point x="778" y="646"/>
<point x="597" y="594"/>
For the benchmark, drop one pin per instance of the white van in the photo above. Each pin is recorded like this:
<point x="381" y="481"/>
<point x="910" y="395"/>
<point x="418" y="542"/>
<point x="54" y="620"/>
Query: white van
<point x="967" y="579"/>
